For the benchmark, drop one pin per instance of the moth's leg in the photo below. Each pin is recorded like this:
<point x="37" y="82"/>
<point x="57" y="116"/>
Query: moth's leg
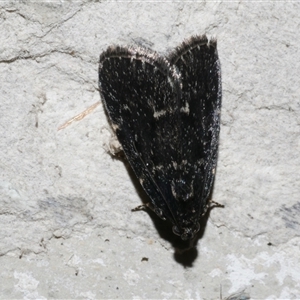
<point x="143" y="206"/>
<point x="113" y="147"/>
<point x="213" y="203"/>
<point x="157" y="210"/>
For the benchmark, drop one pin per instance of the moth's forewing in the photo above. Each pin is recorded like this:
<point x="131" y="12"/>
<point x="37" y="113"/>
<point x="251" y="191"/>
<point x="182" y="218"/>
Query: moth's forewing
<point x="138" y="87"/>
<point x="200" y="107"/>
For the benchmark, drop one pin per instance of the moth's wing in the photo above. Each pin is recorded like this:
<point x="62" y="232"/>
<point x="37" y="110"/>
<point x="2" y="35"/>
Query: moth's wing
<point x="200" y="105"/>
<point x="138" y="87"/>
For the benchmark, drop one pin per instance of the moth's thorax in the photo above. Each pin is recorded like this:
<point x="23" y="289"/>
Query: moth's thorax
<point x="182" y="189"/>
<point x="188" y="232"/>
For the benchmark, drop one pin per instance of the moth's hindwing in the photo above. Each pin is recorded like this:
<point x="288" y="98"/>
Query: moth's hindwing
<point x="166" y="112"/>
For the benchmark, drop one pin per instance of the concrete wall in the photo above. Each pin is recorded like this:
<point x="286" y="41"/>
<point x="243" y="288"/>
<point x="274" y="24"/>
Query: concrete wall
<point x="66" y="226"/>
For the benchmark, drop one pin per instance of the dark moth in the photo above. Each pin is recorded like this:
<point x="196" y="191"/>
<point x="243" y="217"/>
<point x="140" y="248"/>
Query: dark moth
<point x="166" y="114"/>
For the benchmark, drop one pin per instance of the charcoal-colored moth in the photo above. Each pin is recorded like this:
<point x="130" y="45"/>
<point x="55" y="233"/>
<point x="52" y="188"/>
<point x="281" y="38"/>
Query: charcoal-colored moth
<point x="166" y="114"/>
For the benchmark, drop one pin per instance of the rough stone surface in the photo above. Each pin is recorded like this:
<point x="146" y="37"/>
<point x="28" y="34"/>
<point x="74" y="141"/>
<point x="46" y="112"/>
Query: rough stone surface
<point x="66" y="226"/>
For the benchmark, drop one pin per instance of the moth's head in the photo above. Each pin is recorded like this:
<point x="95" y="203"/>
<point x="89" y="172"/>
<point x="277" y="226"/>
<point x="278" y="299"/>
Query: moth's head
<point x="186" y="233"/>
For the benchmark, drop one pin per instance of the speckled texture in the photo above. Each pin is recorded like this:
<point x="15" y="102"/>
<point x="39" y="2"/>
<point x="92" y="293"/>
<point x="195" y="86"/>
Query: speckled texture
<point x="66" y="226"/>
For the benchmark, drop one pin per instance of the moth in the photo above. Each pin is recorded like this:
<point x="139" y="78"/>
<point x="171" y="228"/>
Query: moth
<point x="165" y="111"/>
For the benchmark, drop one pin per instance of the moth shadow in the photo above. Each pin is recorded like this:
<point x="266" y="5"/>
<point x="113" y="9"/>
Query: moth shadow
<point x="185" y="251"/>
